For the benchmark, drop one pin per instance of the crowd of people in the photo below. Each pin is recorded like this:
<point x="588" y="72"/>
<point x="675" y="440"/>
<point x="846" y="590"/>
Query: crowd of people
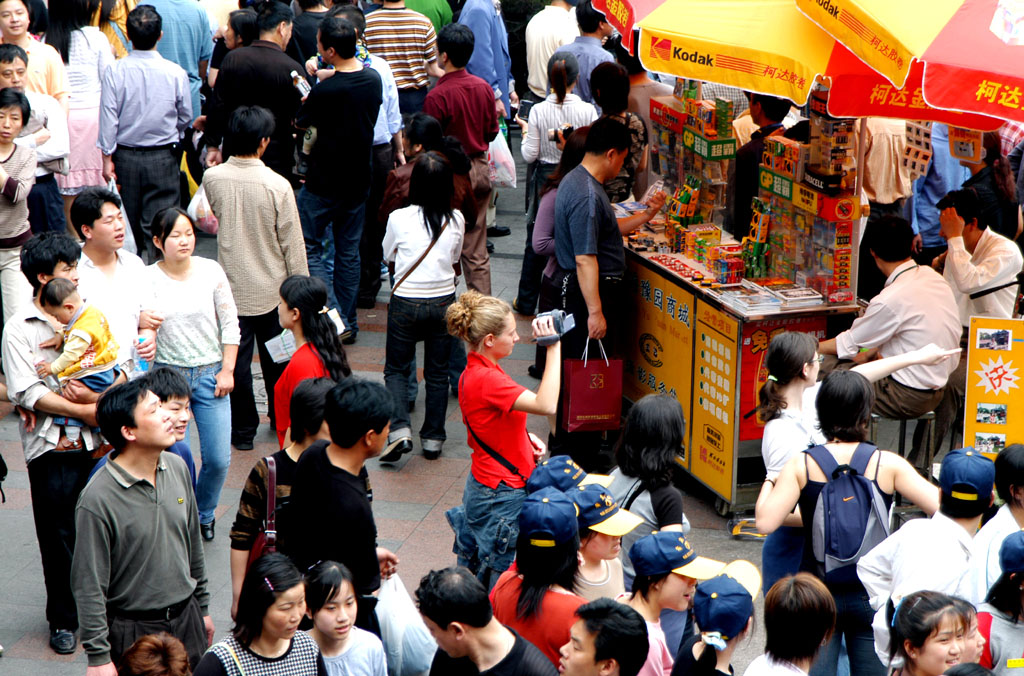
<point x="338" y="145"/>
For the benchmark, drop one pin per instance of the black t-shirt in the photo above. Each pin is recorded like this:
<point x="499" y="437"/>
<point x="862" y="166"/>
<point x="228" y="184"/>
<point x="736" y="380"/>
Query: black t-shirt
<point x="303" y="42"/>
<point x="344" y="109"/>
<point x="220" y="50"/>
<point x="329" y="518"/>
<point x="686" y="663"/>
<point x="585" y="224"/>
<point x="523" y="660"/>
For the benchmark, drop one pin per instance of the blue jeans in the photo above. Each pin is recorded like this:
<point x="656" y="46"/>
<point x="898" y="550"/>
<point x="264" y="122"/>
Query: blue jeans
<point x="486" y="528"/>
<point x="456" y="366"/>
<point x="213" y="418"/>
<point x="853" y="622"/>
<point x="411" y="320"/>
<point x="345" y="221"/>
<point x="781" y="555"/>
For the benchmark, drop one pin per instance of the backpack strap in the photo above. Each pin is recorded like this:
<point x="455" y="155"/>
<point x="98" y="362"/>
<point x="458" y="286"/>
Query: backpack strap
<point x="861" y="457"/>
<point x="824" y="459"/>
<point x="635" y="491"/>
<point x="271" y="524"/>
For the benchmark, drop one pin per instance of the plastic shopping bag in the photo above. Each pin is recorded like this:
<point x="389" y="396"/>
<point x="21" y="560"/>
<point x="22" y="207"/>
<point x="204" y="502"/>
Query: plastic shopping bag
<point x="408" y="645"/>
<point x="501" y="166"/>
<point x="200" y="211"/>
<point x="129" y="237"/>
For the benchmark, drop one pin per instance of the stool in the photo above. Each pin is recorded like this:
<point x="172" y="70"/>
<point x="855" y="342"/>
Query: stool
<point x="929" y="444"/>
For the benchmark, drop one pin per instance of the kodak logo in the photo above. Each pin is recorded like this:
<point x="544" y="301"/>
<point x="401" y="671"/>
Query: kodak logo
<point x="832" y="9"/>
<point x="693" y="57"/>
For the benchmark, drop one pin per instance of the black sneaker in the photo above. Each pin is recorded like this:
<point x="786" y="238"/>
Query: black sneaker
<point x="206" y="530"/>
<point x="348" y="338"/>
<point x="499" y="231"/>
<point x="242" y="445"/>
<point x="63" y="641"/>
<point x="396" y="449"/>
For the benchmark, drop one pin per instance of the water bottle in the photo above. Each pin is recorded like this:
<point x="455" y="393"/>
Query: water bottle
<point x="141" y="364"/>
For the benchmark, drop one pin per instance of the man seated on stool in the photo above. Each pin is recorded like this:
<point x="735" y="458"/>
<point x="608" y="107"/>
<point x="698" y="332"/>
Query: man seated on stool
<point x="916" y="307"/>
<point x="981" y="266"/>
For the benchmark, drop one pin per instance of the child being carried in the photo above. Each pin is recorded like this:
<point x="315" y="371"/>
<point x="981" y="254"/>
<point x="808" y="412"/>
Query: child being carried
<point x="89" y="352"/>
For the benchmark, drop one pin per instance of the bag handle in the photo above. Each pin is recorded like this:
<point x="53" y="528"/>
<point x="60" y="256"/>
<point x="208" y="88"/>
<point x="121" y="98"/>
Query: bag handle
<point x="502" y="460"/>
<point x="271" y="524"/>
<point x="234" y="658"/>
<point x="420" y="259"/>
<point x="600" y="345"/>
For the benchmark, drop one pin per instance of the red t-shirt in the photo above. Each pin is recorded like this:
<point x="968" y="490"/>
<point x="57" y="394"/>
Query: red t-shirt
<point x="548" y="628"/>
<point x="486" y="396"/>
<point x="304" y="364"/>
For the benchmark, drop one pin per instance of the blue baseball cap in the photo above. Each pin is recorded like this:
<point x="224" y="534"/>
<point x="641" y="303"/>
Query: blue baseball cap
<point x="723" y="605"/>
<point x="548" y="518"/>
<point x="668" y="552"/>
<point x="600" y="513"/>
<point x="967" y="475"/>
<point x="564" y="474"/>
<point x="1011" y="553"/>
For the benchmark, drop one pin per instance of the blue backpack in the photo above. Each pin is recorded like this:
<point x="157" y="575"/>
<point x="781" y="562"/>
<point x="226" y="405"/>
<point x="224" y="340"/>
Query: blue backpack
<point x="850" y="517"/>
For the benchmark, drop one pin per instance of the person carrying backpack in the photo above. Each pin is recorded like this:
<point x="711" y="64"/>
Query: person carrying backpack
<point x="843" y="490"/>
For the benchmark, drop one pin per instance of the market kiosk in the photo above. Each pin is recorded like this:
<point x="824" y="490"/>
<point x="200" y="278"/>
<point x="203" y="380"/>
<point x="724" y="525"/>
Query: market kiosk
<point x="706" y="306"/>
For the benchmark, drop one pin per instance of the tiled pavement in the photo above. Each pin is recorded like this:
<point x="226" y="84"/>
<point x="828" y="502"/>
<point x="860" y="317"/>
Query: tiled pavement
<point x="410" y="498"/>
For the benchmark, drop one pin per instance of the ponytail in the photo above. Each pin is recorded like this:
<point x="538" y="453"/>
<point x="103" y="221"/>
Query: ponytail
<point x="308" y="295"/>
<point x="558" y="80"/>
<point x="563" y="70"/>
<point x="788" y="353"/>
<point x="1002" y="176"/>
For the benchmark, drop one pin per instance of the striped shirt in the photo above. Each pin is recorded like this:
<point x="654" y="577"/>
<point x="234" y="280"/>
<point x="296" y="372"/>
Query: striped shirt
<point x="550" y="114"/>
<point x="406" y="40"/>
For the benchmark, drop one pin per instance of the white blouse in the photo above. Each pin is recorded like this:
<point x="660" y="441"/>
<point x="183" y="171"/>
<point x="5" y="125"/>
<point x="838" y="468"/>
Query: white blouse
<point x="550" y="114"/>
<point x="199" y="314"/>
<point x="89" y="54"/>
<point x="405" y="240"/>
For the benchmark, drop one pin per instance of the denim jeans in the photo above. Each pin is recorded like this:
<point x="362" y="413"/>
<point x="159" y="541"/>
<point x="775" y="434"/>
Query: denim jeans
<point x="411" y="320"/>
<point x="486" y="528"/>
<point x="213" y="418"/>
<point x="456" y="366"/>
<point x="853" y="622"/>
<point x="345" y="220"/>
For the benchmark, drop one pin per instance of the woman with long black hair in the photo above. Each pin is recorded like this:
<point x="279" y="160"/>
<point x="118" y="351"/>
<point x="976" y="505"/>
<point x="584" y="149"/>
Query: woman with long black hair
<point x="994" y="184"/>
<point x="424" y="240"/>
<point x="319" y="352"/>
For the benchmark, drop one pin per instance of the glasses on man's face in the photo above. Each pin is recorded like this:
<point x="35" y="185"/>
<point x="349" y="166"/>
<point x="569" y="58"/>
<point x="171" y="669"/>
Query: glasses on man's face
<point x="820" y="358"/>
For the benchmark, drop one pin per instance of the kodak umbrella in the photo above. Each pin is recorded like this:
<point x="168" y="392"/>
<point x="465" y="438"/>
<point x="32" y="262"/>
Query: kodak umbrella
<point x="968" y="52"/>
<point x="770" y="47"/>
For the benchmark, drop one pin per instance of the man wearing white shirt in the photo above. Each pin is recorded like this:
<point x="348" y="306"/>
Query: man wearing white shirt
<point x="46" y="132"/>
<point x="110" y="277"/>
<point x="981" y="266"/>
<point x="985" y="568"/>
<point x="929" y="554"/>
<point x="549" y="29"/>
<point x="916" y="307"/>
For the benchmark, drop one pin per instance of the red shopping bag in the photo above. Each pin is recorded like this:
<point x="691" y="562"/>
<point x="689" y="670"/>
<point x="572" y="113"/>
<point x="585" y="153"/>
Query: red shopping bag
<point x="592" y="393"/>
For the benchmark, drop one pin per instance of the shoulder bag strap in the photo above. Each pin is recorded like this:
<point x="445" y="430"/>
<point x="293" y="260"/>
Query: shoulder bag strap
<point x="419" y="260"/>
<point x="271" y="525"/>
<point x="635" y="491"/>
<point x="984" y="292"/>
<point x="501" y="460"/>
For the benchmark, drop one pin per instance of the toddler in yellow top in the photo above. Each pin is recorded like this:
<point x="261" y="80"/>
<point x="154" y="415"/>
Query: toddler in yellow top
<point x="90" y="351"/>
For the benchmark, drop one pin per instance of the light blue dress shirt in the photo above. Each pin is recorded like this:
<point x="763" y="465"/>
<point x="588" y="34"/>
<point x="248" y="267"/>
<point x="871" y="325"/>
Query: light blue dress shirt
<point x="187" y="39"/>
<point x="944" y="175"/>
<point x="590" y="54"/>
<point x="490" y="60"/>
<point x="145" y="102"/>
<point x="389" y="121"/>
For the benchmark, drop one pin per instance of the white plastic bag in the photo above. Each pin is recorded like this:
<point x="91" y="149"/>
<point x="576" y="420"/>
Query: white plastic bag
<point x="200" y="211"/>
<point x="408" y="645"/>
<point x="501" y="166"/>
<point x="129" y="237"/>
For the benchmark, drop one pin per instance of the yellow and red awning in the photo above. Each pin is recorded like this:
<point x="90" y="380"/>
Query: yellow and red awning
<point x="968" y="54"/>
<point x="769" y="46"/>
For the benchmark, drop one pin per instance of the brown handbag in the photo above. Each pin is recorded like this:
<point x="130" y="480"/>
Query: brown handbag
<point x="266" y="541"/>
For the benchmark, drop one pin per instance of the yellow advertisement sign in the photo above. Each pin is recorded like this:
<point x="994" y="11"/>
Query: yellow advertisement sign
<point x="713" y="424"/>
<point x="659" y="353"/>
<point x="994" y="407"/>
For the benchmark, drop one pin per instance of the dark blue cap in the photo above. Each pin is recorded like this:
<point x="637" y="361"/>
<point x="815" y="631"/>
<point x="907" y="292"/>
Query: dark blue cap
<point x="1011" y="553"/>
<point x="548" y="518"/>
<point x="561" y="472"/>
<point x="967" y="476"/>
<point x="723" y="605"/>
<point x="668" y="552"/>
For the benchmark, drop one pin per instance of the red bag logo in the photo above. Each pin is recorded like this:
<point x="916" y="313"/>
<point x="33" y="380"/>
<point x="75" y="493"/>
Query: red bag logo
<point x="597" y="381"/>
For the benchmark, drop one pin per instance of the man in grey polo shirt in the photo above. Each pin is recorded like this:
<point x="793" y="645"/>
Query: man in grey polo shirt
<point x="138" y="566"/>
